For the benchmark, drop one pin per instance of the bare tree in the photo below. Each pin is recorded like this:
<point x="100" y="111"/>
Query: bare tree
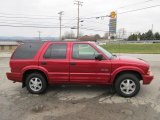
<point x="69" y="35"/>
<point x="106" y="35"/>
<point x="121" y="33"/>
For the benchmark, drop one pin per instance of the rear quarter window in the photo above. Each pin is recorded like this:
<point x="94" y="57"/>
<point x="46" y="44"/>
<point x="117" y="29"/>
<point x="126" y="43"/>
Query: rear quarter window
<point x="26" y="51"/>
<point x="56" y="51"/>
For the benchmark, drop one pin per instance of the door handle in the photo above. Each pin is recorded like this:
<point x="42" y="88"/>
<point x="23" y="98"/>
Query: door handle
<point x="43" y="63"/>
<point x="72" y="63"/>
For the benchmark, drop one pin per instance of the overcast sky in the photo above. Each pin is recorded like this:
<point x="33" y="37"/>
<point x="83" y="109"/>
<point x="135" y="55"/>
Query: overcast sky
<point x="133" y="22"/>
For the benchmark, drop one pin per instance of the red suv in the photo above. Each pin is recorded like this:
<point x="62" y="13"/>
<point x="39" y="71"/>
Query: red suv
<point x="41" y="63"/>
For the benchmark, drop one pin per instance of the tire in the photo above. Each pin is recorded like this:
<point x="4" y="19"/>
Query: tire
<point x="127" y="85"/>
<point x="36" y="83"/>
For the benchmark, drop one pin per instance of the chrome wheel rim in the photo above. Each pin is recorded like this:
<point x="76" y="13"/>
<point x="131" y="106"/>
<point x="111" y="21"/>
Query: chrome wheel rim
<point x="35" y="84"/>
<point x="128" y="86"/>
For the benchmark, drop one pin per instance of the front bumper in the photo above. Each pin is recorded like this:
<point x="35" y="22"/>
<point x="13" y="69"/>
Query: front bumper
<point x="16" y="77"/>
<point x="147" y="79"/>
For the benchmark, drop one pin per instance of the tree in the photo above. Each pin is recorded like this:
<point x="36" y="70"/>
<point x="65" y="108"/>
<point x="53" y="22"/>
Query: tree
<point x="112" y="37"/>
<point x="139" y="36"/>
<point x="97" y="36"/>
<point x="145" y="36"/>
<point x="157" y="36"/>
<point x="132" y="37"/>
<point x="149" y="35"/>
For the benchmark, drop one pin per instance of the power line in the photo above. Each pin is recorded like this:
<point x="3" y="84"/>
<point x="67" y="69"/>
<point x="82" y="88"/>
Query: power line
<point x="32" y="16"/>
<point x="98" y="17"/>
<point x="39" y="25"/>
<point x="95" y="22"/>
<point x="140" y="9"/>
<point x="29" y="22"/>
<point x="1" y="13"/>
<point x="69" y="23"/>
<point x="91" y="29"/>
<point x="94" y="27"/>
<point x="22" y="17"/>
<point x="23" y="26"/>
<point x="124" y="12"/>
<point x="74" y="26"/>
<point x="24" y="23"/>
<point x="51" y="17"/>
<point x="137" y="3"/>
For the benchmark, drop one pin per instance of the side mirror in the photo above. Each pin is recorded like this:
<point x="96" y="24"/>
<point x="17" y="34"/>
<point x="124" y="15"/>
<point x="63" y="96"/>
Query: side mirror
<point x="98" y="57"/>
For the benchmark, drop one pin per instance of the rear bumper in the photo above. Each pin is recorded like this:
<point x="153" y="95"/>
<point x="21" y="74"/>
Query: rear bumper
<point x="16" y="77"/>
<point x="147" y="79"/>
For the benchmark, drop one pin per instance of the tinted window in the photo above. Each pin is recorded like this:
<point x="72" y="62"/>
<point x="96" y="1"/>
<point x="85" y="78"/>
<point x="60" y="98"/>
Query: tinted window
<point x="26" y="51"/>
<point x="56" y="51"/>
<point x="83" y="51"/>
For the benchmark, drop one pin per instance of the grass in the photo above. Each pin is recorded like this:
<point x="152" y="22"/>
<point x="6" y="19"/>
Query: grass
<point x="133" y="48"/>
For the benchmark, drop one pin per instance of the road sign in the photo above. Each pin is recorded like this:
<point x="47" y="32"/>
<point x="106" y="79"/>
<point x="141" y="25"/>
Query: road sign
<point x="113" y="14"/>
<point x="112" y="25"/>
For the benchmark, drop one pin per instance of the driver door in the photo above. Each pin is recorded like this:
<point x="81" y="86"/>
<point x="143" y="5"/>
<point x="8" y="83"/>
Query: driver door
<point x="83" y="66"/>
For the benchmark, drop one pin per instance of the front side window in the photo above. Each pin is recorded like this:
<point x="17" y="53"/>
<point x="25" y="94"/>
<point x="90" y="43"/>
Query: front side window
<point x="107" y="53"/>
<point x="56" y="51"/>
<point x="83" y="51"/>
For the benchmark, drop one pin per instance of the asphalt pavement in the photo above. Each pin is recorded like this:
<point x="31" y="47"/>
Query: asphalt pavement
<point x="79" y="102"/>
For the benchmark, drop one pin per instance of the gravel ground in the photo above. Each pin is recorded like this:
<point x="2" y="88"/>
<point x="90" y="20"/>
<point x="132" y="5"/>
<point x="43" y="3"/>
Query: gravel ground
<point x="79" y="102"/>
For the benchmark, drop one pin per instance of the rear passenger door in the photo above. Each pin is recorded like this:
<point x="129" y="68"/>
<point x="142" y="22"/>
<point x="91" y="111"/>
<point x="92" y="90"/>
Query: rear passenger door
<point x="55" y="60"/>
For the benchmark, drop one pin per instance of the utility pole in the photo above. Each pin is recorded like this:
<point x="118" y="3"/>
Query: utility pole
<point x="60" y="19"/>
<point x="123" y="33"/>
<point x="78" y="3"/>
<point x="152" y="32"/>
<point x="152" y="28"/>
<point x="39" y="35"/>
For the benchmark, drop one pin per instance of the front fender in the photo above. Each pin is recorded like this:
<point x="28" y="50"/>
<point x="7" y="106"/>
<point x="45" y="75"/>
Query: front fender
<point x="125" y="68"/>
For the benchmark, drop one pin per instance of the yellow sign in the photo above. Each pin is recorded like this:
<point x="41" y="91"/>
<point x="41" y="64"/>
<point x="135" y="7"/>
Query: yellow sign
<point x="113" y="14"/>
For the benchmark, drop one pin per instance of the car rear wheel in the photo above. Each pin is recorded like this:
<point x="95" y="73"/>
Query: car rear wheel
<point x="36" y="83"/>
<point x="127" y="85"/>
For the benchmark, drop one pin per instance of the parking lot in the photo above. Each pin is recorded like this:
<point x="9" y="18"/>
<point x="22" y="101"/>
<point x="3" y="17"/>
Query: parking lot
<point x="79" y="102"/>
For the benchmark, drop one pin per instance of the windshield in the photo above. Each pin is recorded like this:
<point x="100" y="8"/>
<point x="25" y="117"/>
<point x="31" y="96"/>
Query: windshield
<point x="108" y="54"/>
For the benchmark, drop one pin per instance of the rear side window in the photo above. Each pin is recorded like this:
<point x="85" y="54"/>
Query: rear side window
<point x="56" y="51"/>
<point x="27" y="51"/>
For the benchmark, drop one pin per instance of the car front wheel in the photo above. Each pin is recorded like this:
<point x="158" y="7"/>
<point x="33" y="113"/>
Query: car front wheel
<point x="127" y="85"/>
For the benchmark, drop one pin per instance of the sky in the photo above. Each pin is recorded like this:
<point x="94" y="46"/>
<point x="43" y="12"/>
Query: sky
<point x="45" y="13"/>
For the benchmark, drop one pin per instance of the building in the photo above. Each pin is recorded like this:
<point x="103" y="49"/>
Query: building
<point x="88" y="38"/>
<point x="70" y="39"/>
<point x="8" y="46"/>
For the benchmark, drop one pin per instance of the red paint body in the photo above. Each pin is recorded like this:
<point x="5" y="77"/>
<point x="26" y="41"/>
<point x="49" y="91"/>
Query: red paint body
<point x="59" y="71"/>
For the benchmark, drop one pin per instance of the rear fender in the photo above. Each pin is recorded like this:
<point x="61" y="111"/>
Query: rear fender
<point x="29" y="68"/>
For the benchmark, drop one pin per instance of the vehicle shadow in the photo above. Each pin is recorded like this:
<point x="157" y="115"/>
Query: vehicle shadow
<point x="77" y="92"/>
